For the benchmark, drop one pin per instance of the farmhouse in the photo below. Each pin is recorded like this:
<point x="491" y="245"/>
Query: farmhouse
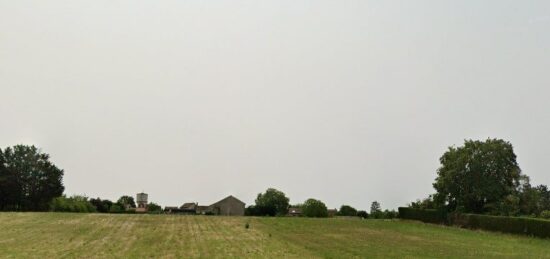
<point x="229" y="206"/>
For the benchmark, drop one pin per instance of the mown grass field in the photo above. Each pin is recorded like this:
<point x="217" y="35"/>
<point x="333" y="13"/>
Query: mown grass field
<point x="67" y="235"/>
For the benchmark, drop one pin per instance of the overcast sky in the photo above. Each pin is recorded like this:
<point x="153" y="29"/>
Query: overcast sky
<point x="344" y="101"/>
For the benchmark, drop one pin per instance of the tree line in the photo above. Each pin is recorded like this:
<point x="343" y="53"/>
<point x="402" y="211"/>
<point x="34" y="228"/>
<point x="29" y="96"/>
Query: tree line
<point x="79" y="203"/>
<point x="483" y="177"/>
<point x="29" y="181"/>
<point x="275" y="203"/>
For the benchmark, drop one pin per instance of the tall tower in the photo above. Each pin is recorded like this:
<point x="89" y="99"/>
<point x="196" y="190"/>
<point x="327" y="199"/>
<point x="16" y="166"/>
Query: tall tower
<point x="141" y="200"/>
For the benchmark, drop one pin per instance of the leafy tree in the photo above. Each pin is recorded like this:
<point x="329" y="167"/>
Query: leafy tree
<point x="426" y="203"/>
<point x="273" y="202"/>
<point x="528" y="199"/>
<point x="106" y="205"/>
<point x="102" y="206"/>
<point x="153" y="207"/>
<point x="544" y="197"/>
<point x="126" y="202"/>
<point x="509" y="206"/>
<point x="362" y="214"/>
<point x="346" y="210"/>
<point x="375" y="210"/>
<point x="28" y="180"/>
<point x="314" y="208"/>
<point x="476" y="177"/>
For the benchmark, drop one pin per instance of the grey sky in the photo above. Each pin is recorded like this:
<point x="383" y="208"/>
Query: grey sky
<point x="345" y="101"/>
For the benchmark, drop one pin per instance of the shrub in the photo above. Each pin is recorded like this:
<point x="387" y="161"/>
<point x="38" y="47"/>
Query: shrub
<point x="252" y="210"/>
<point x="75" y="203"/>
<point x="514" y="225"/>
<point x="390" y="214"/>
<point x="116" y="209"/>
<point x="362" y="214"/>
<point x="545" y="214"/>
<point x="424" y="215"/>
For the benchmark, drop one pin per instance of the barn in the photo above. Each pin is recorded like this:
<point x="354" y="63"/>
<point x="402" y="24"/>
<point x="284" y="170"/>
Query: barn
<point x="229" y="206"/>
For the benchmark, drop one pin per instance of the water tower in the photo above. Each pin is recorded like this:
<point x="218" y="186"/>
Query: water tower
<point x="141" y="200"/>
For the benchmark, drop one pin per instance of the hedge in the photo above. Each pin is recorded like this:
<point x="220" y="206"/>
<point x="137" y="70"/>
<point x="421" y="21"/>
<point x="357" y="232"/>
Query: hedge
<point x="513" y="225"/>
<point x="424" y="215"/>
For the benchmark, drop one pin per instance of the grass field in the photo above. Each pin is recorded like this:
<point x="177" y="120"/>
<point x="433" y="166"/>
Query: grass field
<point x="53" y="235"/>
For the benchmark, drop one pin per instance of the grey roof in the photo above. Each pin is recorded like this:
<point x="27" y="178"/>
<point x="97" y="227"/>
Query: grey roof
<point x="188" y="205"/>
<point x="229" y="197"/>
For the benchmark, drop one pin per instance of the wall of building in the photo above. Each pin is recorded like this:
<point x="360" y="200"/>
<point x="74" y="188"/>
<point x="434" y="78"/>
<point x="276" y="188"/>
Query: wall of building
<point x="228" y="207"/>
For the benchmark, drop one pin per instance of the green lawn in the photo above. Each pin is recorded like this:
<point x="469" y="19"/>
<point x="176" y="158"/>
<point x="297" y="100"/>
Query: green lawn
<point x="43" y="235"/>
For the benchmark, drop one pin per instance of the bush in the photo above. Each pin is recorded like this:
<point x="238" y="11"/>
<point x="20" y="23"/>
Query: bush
<point x="252" y="210"/>
<point x="116" y="209"/>
<point x="514" y="225"/>
<point x="424" y="215"/>
<point x="390" y="214"/>
<point x="72" y="204"/>
<point x="545" y="214"/>
<point x="362" y="214"/>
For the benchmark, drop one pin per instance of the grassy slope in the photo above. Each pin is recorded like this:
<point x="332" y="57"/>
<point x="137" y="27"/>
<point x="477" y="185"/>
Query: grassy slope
<point x="99" y="235"/>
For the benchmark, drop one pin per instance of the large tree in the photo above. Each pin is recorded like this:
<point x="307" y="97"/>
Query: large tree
<point x="28" y="180"/>
<point x="346" y="210"/>
<point x="102" y="206"/>
<point x="314" y="208"/>
<point x="273" y="202"/>
<point x="544" y="202"/>
<point x="478" y="176"/>
<point x="376" y="210"/>
<point x="126" y="202"/>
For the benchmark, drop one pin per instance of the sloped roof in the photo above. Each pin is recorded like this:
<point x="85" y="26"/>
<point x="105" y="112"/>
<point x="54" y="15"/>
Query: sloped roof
<point x="228" y="197"/>
<point x="188" y="205"/>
